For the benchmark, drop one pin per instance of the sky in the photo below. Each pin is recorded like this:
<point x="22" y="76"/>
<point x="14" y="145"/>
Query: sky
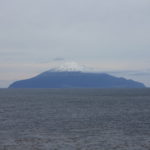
<point x="111" y="36"/>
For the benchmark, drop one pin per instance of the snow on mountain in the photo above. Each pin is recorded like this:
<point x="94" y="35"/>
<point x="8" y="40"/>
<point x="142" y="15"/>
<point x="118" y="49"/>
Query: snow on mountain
<point x="71" y="66"/>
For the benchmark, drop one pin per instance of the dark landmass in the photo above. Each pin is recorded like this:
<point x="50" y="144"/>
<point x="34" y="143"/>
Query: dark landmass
<point x="75" y="79"/>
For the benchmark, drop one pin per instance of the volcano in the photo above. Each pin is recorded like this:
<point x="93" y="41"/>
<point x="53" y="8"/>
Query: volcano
<point x="75" y="79"/>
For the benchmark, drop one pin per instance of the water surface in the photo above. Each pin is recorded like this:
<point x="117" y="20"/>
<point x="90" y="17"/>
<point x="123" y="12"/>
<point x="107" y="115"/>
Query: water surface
<point x="74" y="119"/>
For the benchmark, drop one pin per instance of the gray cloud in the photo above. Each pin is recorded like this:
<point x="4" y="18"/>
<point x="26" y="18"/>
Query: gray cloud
<point x="58" y="59"/>
<point x="56" y="25"/>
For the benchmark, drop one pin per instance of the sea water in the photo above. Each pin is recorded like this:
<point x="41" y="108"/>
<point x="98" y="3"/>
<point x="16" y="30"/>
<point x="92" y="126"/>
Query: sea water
<point x="75" y="119"/>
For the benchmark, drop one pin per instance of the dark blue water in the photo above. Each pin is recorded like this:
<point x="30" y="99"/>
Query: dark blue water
<point x="74" y="119"/>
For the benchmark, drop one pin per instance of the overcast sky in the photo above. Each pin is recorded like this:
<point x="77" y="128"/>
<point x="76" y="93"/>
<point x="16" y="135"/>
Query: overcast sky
<point x="102" y="34"/>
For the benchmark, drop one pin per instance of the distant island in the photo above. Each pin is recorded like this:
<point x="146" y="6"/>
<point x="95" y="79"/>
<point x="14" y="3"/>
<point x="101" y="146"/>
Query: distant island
<point x="75" y="79"/>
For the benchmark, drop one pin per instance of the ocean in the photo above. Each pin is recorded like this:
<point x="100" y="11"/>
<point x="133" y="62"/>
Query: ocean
<point x="75" y="119"/>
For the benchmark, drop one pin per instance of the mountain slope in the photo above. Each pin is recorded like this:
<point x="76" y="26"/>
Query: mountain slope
<point x="75" y="79"/>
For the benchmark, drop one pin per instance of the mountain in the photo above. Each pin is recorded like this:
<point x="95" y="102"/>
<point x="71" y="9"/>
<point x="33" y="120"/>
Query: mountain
<point x="75" y="79"/>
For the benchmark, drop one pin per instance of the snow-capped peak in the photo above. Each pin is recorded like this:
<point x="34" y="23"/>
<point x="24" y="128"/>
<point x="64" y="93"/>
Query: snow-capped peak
<point x="70" y="66"/>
